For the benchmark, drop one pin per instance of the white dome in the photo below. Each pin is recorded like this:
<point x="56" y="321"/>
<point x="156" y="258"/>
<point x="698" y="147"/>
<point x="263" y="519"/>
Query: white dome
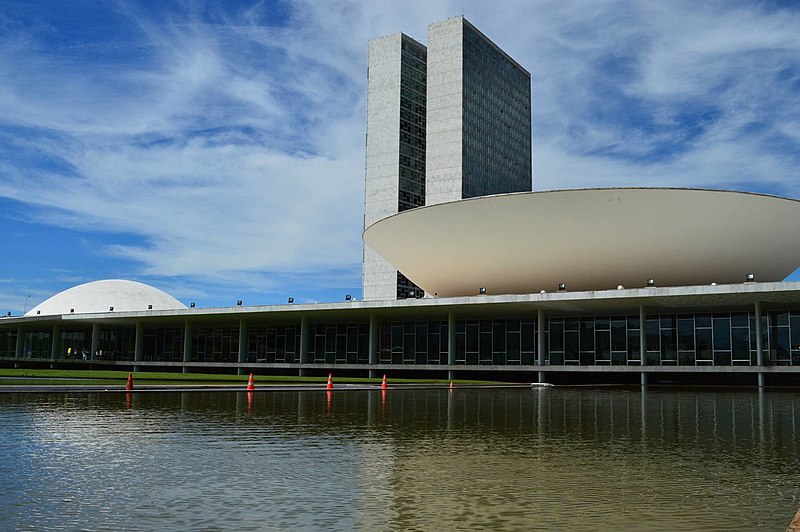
<point x="100" y="296"/>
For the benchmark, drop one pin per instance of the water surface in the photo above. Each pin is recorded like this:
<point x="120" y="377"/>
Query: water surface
<point x="515" y="459"/>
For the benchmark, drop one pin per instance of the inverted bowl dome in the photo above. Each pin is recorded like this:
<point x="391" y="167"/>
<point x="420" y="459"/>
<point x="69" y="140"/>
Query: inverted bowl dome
<point x="591" y="239"/>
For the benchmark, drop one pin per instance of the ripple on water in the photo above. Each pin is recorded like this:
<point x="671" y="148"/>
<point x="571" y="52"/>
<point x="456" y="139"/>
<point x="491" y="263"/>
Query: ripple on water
<point x="416" y="460"/>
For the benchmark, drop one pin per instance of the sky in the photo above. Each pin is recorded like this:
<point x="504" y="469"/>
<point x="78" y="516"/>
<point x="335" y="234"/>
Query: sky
<point x="215" y="150"/>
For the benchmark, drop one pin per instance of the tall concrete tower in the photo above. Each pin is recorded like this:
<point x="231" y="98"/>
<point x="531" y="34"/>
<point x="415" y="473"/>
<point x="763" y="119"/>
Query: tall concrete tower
<point x="445" y="123"/>
<point x="395" y="165"/>
<point x="479" y="116"/>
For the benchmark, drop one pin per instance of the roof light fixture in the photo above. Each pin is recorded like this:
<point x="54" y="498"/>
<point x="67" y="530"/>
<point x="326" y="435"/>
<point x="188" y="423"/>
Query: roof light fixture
<point x="651" y="282"/>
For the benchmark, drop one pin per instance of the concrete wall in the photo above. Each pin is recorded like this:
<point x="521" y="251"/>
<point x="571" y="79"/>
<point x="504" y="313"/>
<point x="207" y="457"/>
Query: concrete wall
<point x="383" y="145"/>
<point x="444" y="113"/>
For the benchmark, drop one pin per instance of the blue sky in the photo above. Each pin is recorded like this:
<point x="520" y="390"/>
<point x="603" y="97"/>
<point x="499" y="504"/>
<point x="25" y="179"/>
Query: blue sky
<point x="216" y="149"/>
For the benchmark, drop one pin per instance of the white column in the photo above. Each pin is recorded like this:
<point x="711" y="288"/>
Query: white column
<point x="55" y="348"/>
<point x="187" y="344"/>
<point x="242" y="345"/>
<point x="303" y="344"/>
<point x="451" y="342"/>
<point x="540" y="343"/>
<point x="760" y="359"/>
<point x="95" y="339"/>
<point x="373" y="345"/>
<point x="20" y="348"/>
<point x="138" y="349"/>
<point x="643" y="343"/>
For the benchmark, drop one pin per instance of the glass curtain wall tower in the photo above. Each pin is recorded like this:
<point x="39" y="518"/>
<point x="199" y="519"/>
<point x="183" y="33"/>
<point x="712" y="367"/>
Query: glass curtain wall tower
<point x="445" y="123"/>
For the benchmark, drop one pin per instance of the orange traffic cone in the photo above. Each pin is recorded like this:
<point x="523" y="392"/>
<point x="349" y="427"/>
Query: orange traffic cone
<point x="383" y="384"/>
<point x="129" y="386"/>
<point x="330" y="382"/>
<point x="451" y="385"/>
<point x="250" y="385"/>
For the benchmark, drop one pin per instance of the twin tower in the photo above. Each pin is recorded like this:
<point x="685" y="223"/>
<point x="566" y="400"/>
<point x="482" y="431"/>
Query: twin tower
<point x="447" y="122"/>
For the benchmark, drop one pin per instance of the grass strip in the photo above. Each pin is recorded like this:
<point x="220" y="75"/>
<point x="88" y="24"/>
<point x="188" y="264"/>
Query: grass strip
<point x="157" y="376"/>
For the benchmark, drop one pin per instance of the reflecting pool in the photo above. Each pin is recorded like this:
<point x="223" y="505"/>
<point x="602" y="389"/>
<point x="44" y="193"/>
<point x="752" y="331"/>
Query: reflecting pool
<point x="427" y="459"/>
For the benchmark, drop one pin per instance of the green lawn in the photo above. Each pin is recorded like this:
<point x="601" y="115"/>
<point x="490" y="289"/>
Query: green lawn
<point x="153" y="377"/>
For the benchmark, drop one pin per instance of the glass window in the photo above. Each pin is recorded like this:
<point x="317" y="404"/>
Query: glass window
<point x="633" y="345"/>
<point x="780" y="343"/>
<point x="587" y="334"/>
<point x="702" y="320"/>
<point x="618" y="336"/>
<point x="739" y="319"/>
<point x="556" y="335"/>
<point x="740" y="341"/>
<point x="602" y="343"/>
<point x="795" y="328"/>
<point x="722" y="333"/>
<point x="528" y="336"/>
<point x="571" y="345"/>
<point x="686" y="334"/>
<point x="669" y="348"/>
<point x="653" y="334"/>
<point x="703" y="344"/>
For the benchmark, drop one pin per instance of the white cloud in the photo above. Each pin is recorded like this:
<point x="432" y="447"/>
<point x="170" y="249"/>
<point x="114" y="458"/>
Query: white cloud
<point x="233" y="145"/>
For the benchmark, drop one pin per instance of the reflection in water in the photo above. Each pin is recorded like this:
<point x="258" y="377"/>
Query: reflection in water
<point x="427" y="459"/>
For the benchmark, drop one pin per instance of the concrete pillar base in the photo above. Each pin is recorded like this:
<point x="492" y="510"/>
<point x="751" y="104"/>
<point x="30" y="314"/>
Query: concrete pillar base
<point x="451" y="375"/>
<point x="762" y="380"/>
<point x="302" y="372"/>
<point x="242" y="371"/>
<point x="644" y="378"/>
<point x="541" y="377"/>
<point x="373" y="374"/>
<point x="185" y="370"/>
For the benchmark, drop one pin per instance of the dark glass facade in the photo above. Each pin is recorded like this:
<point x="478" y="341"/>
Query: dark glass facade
<point x="680" y="339"/>
<point x="413" y="85"/>
<point x="273" y="344"/>
<point x="496" y="342"/>
<point x="338" y="343"/>
<point x="8" y="343"/>
<point x="163" y="344"/>
<point x="412" y="342"/>
<point x="496" y="120"/>
<point x="38" y="344"/>
<point x="118" y="344"/>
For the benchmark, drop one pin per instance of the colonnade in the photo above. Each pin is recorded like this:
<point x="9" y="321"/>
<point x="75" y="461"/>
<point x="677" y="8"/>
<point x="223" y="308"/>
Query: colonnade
<point x="56" y="348"/>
